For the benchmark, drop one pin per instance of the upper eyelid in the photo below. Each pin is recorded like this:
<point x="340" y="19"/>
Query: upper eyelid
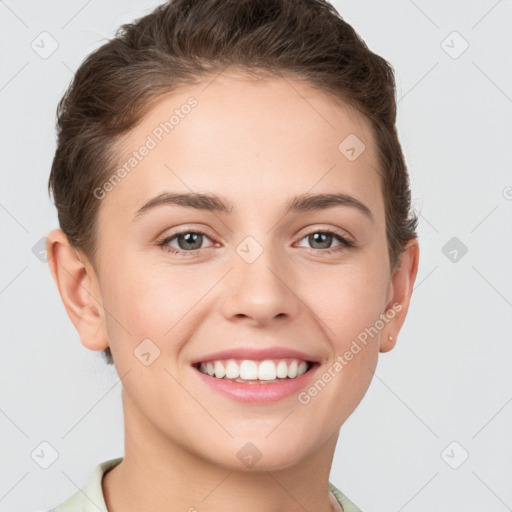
<point x="184" y="232"/>
<point x="181" y="231"/>
<point x="313" y="230"/>
<point x="335" y="231"/>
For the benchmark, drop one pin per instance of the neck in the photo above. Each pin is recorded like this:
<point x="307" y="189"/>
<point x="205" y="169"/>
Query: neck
<point x="163" y="476"/>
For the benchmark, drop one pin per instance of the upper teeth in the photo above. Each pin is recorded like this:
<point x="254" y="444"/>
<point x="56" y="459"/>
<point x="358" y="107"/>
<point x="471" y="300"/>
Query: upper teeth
<point x="248" y="369"/>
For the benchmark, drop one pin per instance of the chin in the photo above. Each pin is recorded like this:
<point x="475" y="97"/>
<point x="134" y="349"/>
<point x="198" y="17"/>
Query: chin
<point x="258" y="455"/>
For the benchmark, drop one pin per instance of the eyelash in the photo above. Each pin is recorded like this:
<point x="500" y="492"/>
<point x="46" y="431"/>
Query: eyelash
<point x="345" y="242"/>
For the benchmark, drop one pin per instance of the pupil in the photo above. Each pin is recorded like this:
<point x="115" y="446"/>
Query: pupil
<point x="324" y="239"/>
<point x="190" y="239"/>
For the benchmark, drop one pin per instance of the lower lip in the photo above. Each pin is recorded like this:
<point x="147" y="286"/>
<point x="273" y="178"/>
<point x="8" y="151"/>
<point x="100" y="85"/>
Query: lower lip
<point x="271" y="392"/>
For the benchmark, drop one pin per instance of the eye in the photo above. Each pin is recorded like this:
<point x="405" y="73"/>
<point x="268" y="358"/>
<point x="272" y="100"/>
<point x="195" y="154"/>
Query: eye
<point x="324" y="239"/>
<point x="189" y="242"/>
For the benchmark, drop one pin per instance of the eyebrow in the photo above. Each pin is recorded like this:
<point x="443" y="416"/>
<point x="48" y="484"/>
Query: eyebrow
<point x="216" y="203"/>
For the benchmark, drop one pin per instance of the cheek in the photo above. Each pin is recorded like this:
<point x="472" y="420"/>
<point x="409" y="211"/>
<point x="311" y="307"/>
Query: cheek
<point x="165" y="303"/>
<point x="348" y="300"/>
<point x="152" y="302"/>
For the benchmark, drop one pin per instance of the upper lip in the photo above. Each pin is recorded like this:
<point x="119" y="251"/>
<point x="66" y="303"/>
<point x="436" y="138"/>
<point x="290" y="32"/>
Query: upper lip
<point x="256" y="354"/>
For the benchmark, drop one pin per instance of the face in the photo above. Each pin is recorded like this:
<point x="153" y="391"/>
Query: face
<point x="249" y="272"/>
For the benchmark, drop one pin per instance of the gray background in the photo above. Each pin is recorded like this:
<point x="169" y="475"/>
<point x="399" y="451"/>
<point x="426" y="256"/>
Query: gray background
<point x="448" y="379"/>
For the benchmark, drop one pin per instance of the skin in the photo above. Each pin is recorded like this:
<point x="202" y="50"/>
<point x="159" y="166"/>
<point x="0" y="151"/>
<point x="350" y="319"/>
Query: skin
<point x="256" y="143"/>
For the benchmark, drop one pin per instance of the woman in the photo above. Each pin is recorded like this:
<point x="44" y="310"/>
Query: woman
<point x="236" y="236"/>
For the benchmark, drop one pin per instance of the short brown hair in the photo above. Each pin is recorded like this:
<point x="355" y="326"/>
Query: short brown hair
<point x="183" y="41"/>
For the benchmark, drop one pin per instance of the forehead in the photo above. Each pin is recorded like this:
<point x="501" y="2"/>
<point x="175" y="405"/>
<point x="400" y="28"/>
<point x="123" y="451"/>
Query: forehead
<point x="257" y="139"/>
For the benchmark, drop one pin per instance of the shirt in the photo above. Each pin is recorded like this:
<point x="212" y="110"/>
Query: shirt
<point x="90" y="498"/>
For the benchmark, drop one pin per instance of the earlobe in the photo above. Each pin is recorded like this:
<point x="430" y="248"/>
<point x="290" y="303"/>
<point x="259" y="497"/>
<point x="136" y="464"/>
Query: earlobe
<point x="387" y="345"/>
<point x="78" y="288"/>
<point x="402" y="284"/>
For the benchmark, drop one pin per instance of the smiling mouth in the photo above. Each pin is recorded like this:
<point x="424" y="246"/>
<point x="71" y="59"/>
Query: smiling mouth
<point x="250" y="371"/>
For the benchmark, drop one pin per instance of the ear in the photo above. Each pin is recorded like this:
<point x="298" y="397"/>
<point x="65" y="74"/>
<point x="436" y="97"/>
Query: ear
<point x="79" y="290"/>
<point x="401" y="286"/>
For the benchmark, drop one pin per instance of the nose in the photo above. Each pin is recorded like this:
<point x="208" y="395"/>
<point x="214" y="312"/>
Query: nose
<point x="260" y="292"/>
